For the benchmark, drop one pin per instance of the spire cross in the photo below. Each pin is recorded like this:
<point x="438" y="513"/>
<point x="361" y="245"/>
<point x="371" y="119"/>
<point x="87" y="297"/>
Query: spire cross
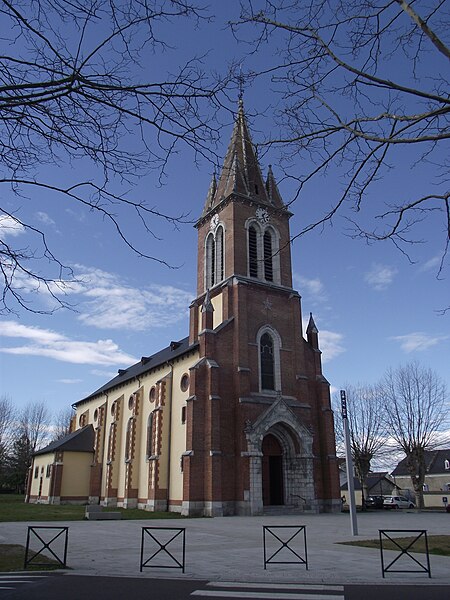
<point x="241" y="87"/>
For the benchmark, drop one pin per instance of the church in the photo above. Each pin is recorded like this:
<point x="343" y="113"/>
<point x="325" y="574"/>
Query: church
<point x="234" y="418"/>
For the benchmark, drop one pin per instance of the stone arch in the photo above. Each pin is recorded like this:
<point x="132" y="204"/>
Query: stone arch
<point x="295" y="441"/>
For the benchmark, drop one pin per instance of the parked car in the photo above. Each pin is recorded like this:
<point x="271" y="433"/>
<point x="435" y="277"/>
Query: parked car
<point x="397" y="502"/>
<point x="375" y="501"/>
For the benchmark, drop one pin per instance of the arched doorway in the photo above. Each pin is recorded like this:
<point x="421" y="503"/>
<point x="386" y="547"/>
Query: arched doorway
<point x="272" y="471"/>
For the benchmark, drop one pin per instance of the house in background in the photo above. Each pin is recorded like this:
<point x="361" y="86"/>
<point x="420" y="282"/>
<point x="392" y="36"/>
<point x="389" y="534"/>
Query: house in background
<point x="437" y="478"/>
<point x="378" y="484"/>
<point x="236" y="416"/>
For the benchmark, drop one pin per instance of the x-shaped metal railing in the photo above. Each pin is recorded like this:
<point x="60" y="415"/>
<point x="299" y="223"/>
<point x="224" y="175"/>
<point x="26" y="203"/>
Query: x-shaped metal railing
<point x="285" y="545"/>
<point x="404" y="546"/>
<point x="30" y="560"/>
<point x="162" y="547"/>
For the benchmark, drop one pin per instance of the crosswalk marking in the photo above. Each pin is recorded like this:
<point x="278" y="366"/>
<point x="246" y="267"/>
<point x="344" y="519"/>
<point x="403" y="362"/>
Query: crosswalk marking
<point x="292" y="591"/>
<point x="9" y="581"/>
<point x="266" y="595"/>
<point x="279" y="586"/>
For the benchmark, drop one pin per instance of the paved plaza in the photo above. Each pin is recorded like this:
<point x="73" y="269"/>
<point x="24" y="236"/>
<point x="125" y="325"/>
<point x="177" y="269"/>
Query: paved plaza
<point x="231" y="548"/>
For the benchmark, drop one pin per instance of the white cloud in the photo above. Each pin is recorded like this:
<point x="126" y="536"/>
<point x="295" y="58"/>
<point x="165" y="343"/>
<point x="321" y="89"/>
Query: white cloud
<point x="10" y="226"/>
<point x="44" y="218"/>
<point x="417" y="341"/>
<point x="50" y="344"/>
<point x="314" y="288"/>
<point x="69" y="381"/>
<point x="432" y="263"/>
<point x="112" y="304"/>
<point x="330" y="343"/>
<point x="106" y="301"/>
<point x="380" y="276"/>
<point x="103" y="373"/>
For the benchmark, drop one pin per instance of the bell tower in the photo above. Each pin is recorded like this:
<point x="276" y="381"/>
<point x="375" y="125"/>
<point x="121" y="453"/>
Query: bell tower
<point x="260" y="423"/>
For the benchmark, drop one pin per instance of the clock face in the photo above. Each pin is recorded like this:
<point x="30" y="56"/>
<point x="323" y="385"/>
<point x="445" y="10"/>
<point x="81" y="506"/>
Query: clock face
<point x="262" y="215"/>
<point x="214" y="221"/>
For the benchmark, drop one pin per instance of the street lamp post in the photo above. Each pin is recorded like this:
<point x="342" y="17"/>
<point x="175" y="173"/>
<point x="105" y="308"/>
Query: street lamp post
<point x="349" y="465"/>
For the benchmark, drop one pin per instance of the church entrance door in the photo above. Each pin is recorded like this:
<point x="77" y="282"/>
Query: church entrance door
<point x="272" y="471"/>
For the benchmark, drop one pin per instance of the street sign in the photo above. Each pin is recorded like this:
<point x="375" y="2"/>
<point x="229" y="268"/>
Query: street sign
<point x="343" y="404"/>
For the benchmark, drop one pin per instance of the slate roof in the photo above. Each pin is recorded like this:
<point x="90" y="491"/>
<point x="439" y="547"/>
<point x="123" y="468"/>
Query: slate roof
<point x="372" y="480"/>
<point x="434" y="463"/>
<point x="241" y="173"/>
<point x="81" y="440"/>
<point x="146" y="364"/>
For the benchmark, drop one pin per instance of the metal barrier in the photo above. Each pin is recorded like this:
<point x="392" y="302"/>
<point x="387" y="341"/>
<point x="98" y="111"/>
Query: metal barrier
<point x="46" y="546"/>
<point x="285" y="545"/>
<point x="162" y="547"/>
<point x="404" y="546"/>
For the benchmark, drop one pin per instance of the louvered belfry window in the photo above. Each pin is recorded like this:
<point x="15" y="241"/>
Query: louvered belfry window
<point x="267" y="362"/>
<point x="268" y="266"/>
<point x="253" y="252"/>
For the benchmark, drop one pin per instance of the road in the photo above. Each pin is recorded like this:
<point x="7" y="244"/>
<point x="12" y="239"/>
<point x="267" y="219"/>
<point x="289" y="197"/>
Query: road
<point x="76" y="587"/>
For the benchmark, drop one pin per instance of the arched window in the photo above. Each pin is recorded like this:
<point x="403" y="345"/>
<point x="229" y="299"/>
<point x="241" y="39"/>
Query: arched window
<point x="219" y="254"/>
<point x="149" y="450"/>
<point x="268" y="254"/>
<point x="128" y="439"/>
<point x="252" y="251"/>
<point x="266" y="351"/>
<point x="210" y="260"/>
<point x="112" y="433"/>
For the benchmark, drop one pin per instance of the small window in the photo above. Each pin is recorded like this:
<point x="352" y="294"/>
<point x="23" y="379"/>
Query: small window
<point x="96" y="415"/>
<point x="184" y="383"/>
<point x="426" y="487"/>
<point x="181" y="463"/>
<point x="131" y="402"/>
<point x="113" y="409"/>
<point x="183" y="415"/>
<point x="152" y="394"/>
<point x="447" y="465"/>
<point x="36" y="472"/>
<point x="49" y="470"/>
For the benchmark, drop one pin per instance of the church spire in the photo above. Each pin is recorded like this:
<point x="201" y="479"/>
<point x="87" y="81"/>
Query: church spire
<point x="240" y="172"/>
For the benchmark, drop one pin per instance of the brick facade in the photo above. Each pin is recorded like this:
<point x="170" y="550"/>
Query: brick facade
<point x="253" y="426"/>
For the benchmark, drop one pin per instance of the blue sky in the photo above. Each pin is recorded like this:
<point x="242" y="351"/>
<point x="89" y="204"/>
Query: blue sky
<point x="374" y="309"/>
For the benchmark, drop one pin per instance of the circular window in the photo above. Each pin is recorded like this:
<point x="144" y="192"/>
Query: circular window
<point x="152" y="394"/>
<point x="131" y="402"/>
<point x="184" y="383"/>
<point x="96" y="414"/>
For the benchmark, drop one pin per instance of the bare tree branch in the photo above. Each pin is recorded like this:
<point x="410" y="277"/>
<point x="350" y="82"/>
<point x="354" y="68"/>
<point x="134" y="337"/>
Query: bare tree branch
<point x="74" y="86"/>
<point x="363" y="87"/>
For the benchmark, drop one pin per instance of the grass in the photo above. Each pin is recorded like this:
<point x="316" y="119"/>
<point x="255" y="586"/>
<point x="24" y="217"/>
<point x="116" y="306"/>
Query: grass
<point x="13" y="508"/>
<point x="12" y="558"/>
<point x="437" y="544"/>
